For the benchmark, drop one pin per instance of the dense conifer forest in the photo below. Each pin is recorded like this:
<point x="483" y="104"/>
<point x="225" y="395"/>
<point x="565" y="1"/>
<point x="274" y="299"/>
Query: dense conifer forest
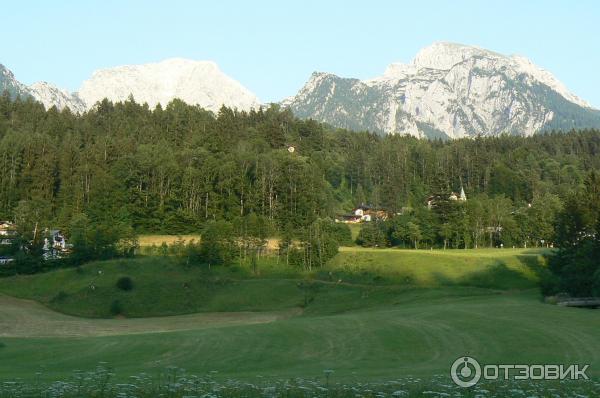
<point x="124" y="169"/>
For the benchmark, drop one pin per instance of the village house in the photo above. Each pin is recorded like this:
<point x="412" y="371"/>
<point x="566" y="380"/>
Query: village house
<point x="363" y="213"/>
<point x="348" y="218"/>
<point x="5" y="260"/>
<point x="8" y="233"/>
<point x="55" y="245"/>
<point x="462" y="197"/>
<point x="7" y="230"/>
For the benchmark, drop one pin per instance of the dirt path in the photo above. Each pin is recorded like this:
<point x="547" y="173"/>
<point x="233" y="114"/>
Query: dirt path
<point x="25" y="318"/>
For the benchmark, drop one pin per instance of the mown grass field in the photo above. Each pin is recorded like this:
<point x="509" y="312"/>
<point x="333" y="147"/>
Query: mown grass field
<point x="146" y="241"/>
<point x="371" y="315"/>
<point x="157" y="240"/>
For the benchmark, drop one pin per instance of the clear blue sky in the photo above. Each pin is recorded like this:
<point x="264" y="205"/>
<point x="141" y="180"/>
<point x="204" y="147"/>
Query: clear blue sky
<point x="272" y="47"/>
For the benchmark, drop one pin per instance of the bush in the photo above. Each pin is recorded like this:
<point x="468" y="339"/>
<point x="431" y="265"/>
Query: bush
<point x="596" y="283"/>
<point x="317" y="245"/>
<point x="550" y="283"/>
<point x="116" y="308"/>
<point x="60" y="297"/>
<point x="341" y="233"/>
<point x="125" y="283"/>
<point x="372" y="234"/>
<point x="216" y="247"/>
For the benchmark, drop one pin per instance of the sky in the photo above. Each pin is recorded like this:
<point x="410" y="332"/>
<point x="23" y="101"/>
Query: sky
<point x="272" y="47"/>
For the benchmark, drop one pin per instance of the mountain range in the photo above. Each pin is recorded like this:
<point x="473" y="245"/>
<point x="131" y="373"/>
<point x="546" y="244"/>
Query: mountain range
<point x="448" y="91"/>
<point x="195" y="82"/>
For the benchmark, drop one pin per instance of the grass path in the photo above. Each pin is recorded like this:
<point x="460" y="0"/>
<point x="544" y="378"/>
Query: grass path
<point x="25" y="318"/>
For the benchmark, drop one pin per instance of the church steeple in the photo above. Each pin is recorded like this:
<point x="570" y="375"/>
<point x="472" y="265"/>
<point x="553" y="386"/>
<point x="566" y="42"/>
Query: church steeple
<point x="463" y="196"/>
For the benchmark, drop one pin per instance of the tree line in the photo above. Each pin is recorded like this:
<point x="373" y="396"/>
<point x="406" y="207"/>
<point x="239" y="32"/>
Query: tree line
<point x="480" y="221"/>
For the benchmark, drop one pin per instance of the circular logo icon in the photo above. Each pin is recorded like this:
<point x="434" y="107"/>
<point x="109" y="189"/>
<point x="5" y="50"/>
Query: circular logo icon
<point x="465" y="372"/>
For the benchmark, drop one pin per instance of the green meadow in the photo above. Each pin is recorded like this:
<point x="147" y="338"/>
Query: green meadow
<point x="371" y="314"/>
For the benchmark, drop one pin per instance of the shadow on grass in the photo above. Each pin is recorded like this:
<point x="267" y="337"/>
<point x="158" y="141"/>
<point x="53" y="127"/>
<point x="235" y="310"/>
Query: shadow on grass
<point x="536" y="264"/>
<point x="496" y="275"/>
<point x="540" y="251"/>
<point x="499" y="276"/>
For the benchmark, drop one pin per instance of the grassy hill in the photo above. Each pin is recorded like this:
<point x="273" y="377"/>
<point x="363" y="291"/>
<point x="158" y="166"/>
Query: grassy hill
<point x="361" y="317"/>
<point x="489" y="268"/>
<point x="164" y="287"/>
<point x="161" y="286"/>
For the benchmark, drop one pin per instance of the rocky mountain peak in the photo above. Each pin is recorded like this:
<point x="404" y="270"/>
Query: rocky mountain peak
<point x="50" y="96"/>
<point x="444" y="55"/>
<point x="195" y="82"/>
<point x="448" y="90"/>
